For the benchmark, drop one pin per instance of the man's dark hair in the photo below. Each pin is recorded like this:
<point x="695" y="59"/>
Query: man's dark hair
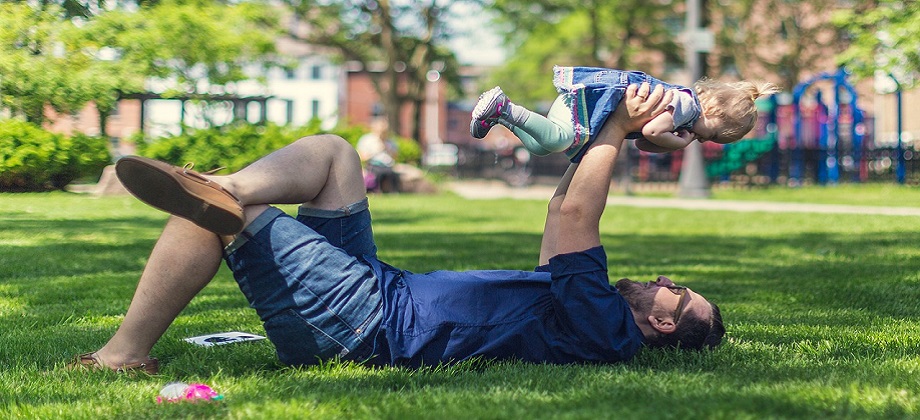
<point x="693" y="333"/>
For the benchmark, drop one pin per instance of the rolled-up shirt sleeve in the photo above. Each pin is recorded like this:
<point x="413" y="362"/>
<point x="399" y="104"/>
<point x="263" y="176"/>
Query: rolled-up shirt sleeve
<point x="590" y="310"/>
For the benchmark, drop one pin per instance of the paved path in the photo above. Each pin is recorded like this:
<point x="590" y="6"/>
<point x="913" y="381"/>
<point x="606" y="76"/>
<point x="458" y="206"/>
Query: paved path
<point x="494" y="189"/>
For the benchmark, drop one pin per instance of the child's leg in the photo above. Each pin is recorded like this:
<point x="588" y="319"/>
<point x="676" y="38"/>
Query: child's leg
<point x="542" y="135"/>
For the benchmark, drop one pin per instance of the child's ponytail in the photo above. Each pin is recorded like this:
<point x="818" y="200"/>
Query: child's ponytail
<point x="760" y="89"/>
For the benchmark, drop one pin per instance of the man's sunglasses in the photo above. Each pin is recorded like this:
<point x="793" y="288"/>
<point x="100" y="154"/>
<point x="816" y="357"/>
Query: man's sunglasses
<point x="682" y="292"/>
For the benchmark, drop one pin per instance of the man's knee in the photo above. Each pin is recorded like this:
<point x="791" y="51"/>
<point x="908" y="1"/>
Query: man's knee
<point x="335" y="147"/>
<point x="337" y="156"/>
<point x="322" y="141"/>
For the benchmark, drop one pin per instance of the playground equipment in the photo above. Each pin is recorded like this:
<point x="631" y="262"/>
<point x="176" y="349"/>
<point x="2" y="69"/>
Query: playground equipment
<point x="831" y="116"/>
<point x="736" y="155"/>
<point x="818" y="134"/>
<point x="901" y="170"/>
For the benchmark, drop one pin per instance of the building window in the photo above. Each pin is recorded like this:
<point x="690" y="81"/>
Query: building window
<point x="314" y="109"/>
<point x="290" y="74"/>
<point x="289" y="111"/>
<point x="316" y="73"/>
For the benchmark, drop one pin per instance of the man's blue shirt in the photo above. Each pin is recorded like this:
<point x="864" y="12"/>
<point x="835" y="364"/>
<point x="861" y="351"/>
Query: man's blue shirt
<point x="564" y="312"/>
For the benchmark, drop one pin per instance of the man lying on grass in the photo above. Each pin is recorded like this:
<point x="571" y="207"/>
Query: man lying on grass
<point x="321" y="292"/>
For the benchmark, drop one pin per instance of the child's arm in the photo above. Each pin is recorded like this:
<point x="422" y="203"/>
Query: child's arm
<point x="647" y="146"/>
<point x="660" y="131"/>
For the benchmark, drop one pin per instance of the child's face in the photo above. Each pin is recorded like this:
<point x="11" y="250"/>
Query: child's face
<point x="705" y="129"/>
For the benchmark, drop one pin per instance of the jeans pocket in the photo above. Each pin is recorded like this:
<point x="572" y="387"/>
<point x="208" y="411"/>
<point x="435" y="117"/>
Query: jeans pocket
<point x="299" y="342"/>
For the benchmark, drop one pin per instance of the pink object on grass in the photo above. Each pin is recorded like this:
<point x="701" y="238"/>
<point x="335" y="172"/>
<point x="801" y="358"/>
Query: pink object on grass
<point x="178" y="391"/>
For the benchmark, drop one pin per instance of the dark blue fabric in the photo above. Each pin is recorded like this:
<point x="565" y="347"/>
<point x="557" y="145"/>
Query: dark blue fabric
<point x="316" y="297"/>
<point x="569" y="314"/>
<point x="321" y="293"/>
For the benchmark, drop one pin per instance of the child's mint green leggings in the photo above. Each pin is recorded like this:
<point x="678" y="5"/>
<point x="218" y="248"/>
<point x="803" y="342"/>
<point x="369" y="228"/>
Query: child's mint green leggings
<point x="544" y="135"/>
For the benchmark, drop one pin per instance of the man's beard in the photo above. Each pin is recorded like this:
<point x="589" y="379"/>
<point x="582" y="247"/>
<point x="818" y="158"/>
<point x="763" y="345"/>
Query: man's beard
<point x="633" y="293"/>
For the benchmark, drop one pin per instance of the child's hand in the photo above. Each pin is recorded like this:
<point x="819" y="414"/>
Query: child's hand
<point x="687" y="135"/>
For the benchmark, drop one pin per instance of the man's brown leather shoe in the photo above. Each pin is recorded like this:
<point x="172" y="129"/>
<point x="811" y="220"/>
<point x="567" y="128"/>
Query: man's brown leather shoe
<point x="181" y="192"/>
<point x="91" y="361"/>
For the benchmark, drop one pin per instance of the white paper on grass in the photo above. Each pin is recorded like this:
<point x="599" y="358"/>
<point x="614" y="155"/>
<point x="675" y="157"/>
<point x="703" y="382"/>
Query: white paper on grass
<point x="218" y="339"/>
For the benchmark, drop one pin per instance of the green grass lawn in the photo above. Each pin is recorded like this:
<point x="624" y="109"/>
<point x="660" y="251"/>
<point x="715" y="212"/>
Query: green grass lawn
<point x="893" y="195"/>
<point x="822" y="315"/>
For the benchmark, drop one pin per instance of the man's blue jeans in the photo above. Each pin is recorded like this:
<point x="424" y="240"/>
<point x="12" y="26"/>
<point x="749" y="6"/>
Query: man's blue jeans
<point x="307" y="280"/>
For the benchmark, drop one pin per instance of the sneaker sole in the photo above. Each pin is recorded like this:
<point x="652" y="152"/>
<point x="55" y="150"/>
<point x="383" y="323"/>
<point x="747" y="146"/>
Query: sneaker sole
<point x="152" y="185"/>
<point x="483" y="106"/>
<point x="477" y="130"/>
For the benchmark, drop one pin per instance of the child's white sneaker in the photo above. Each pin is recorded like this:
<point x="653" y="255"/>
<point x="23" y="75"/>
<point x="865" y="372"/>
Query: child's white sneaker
<point x="492" y="105"/>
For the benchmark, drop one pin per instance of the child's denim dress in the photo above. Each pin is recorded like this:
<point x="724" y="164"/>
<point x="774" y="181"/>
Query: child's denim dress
<point x="593" y="93"/>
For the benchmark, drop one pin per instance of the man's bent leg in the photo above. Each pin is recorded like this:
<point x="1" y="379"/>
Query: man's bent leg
<point x="322" y="171"/>
<point x="183" y="261"/>
<point x="319" y="171"/>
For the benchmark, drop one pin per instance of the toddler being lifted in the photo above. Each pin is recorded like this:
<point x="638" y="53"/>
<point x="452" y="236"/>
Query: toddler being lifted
<point x="710" y="111"/>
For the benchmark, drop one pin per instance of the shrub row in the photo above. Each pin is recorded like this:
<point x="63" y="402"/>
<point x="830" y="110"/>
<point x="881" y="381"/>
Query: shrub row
<point x="236" y="145"/>
<point x="33" y="159"/>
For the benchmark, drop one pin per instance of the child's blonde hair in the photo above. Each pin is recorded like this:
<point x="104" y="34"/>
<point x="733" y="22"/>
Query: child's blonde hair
<point x="732" y="104"/>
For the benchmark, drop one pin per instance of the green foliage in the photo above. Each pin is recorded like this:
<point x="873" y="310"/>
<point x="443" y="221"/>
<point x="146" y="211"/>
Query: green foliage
<point x="409" y="36"/>
<point x="47" y="60"/>
<point x="408" y="151"/>
<point x="789" y="46"/>
<point x="884" y="37"/>
<point x="177" y="40"/>
<point x="237" y="145"/>
<point x="527" y="76"/>
<point x="32" y="159"/>
<point x="87" y="156"/>
<point x="233" y="146"/>
<point x="33" y="71"/>
<point x="604" y="33"/>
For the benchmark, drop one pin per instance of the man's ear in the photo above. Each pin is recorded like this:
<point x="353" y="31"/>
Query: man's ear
<point x="662" y="325"/>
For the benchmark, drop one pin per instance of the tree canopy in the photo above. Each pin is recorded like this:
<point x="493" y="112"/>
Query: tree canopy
<point x="798" y="38"/>
<point x="606" y="33"/>
<point x="34" y="70"/>
<point x="885" y="38"/>
<point x="405" y="40"/>
<point x="48" y="57"/>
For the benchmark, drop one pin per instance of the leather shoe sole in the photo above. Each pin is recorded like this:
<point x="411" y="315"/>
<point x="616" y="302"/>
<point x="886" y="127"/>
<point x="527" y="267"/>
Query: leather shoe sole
<point x="181" y="192"/>
<point x="90" y="361"/>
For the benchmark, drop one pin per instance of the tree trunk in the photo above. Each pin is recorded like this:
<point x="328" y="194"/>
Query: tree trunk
<point x="103" y="119"/>
<point x="389" y="88"/>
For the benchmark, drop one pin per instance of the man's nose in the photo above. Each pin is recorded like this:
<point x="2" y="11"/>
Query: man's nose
<point x="664" y="281"/>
